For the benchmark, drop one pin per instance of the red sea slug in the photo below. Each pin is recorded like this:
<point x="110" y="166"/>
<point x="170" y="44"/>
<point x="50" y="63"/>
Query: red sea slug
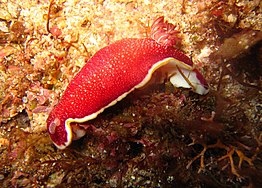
<point x="115" y="71"/>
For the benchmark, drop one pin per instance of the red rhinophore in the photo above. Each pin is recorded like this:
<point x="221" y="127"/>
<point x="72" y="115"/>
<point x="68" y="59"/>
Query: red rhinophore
<point x="111" y="74"/>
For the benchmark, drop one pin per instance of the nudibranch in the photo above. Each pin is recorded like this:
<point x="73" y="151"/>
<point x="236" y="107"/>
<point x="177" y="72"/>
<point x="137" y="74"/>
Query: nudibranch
<point x="115" y="71"/>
